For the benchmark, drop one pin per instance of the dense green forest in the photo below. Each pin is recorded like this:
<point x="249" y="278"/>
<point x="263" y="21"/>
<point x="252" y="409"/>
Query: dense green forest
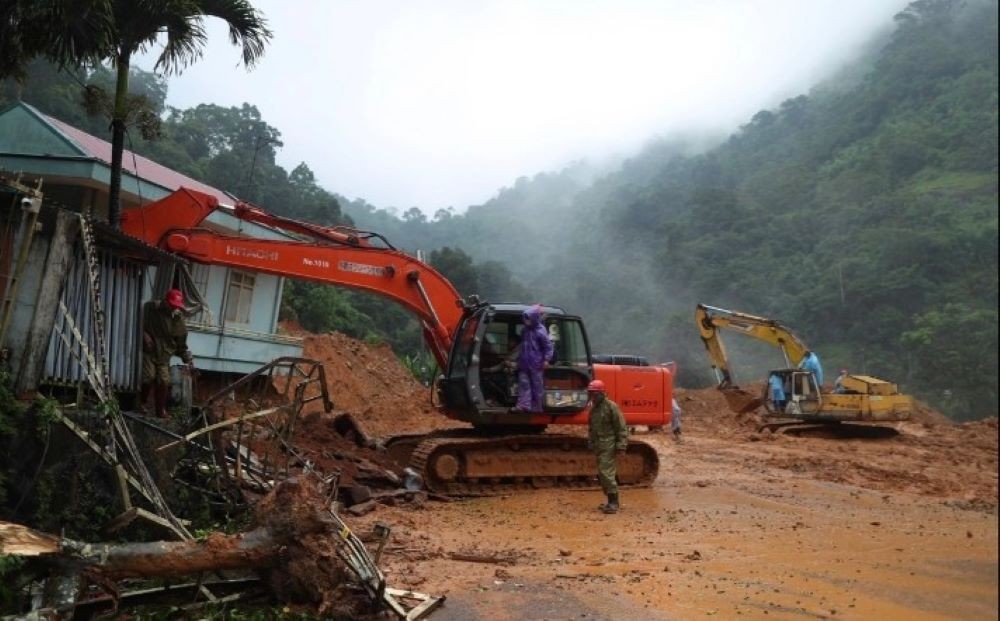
<point x="863" y="214"/>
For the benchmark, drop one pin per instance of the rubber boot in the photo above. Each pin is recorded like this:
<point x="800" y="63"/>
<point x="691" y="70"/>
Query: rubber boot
<point x="160" y="393"/>
<point x="612" y="506"/>
<point x="144" y="392"/>
<point x="604" y="504"/>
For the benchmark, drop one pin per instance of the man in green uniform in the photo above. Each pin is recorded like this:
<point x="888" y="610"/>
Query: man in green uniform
<point x="164" y="334"/>
<point x="608" y="438"/>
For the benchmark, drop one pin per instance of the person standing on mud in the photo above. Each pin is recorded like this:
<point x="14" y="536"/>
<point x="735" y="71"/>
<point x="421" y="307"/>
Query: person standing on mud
<point x="675" y="420"/>
<point x="608" y="438"/>
<point x="536" y="351"/>
<point x="164" y="335"/>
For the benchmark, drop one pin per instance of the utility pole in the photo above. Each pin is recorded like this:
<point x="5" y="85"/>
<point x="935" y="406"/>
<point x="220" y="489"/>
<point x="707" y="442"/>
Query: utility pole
<point x="258" y="143"/>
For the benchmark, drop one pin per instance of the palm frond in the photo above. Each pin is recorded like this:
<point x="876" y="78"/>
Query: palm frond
<point x="67" y="32"/>
<point x="247" y="26"/>
<point x="139" y="23"/>
<point x="83" y="34"/>
<point x="185" y="41"/>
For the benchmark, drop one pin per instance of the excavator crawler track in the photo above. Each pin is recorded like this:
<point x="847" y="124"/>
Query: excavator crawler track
<point x="831" y="430"/>
<point x="477" y="466"/>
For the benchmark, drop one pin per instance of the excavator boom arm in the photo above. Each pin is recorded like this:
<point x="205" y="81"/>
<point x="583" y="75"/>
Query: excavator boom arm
<point x="711" y="319"/>
<point x="328" y="255"/>
<point x="389" y="273"/>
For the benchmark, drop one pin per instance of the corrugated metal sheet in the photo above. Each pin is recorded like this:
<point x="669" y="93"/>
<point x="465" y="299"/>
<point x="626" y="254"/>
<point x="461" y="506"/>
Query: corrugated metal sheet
<point x="121" y="290"/>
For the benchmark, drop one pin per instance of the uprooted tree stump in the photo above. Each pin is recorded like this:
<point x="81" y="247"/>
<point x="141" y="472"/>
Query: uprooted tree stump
<point x="292" y="547"/>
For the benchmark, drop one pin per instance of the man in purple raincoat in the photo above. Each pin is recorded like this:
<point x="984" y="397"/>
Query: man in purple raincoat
<point x="536" y="351"/>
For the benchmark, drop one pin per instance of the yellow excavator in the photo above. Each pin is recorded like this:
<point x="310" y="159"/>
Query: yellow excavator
<point x="856" y="398"/>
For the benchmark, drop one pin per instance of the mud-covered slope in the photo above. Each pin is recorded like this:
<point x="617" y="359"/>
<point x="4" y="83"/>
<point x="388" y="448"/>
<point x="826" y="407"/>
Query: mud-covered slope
<point x="928" y="455"/>
<point x="369" y="382"/>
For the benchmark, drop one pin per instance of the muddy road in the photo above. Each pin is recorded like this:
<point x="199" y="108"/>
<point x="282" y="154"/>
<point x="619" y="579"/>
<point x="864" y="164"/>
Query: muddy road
<point x="739" y="524"/>
<point x="721" y="533"/>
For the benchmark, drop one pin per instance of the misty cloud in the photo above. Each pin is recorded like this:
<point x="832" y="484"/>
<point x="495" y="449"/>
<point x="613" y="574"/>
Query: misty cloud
<point x="441" y="103"/>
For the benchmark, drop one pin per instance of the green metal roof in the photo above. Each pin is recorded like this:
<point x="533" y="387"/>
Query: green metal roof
<point x="23" y="130"/>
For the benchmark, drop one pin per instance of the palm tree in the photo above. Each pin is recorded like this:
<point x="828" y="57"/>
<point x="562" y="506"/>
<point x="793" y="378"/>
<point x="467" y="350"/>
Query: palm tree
<point x="138" y="24"/>
<point x="116" y="30"/>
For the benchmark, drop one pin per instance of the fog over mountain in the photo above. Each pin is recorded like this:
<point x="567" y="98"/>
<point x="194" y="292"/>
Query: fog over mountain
<point x="861" y="211"/>
<point x="439" y="104"/>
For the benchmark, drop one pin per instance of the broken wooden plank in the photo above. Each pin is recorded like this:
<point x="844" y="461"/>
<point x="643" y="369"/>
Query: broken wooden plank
<point x="19" y="540"/>
<point x="123" y="487"/>
<point x="224" y="423"/>
<point x="121" y="521"/>
<point x="480" y="558"/>
<point x="396" y="599"/>
<point x="83" y="435"/>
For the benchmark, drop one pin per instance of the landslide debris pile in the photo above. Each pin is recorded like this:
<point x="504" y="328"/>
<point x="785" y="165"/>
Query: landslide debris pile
<point x="929" y="455"/>
<point x="370" y="383"/>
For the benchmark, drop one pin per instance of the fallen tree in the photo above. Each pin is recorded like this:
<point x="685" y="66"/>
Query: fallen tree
<point x="158" y="559"/>
<point x="294" y="548"/>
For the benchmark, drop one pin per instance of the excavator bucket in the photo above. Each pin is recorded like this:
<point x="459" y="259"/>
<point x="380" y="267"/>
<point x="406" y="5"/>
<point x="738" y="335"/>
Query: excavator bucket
<point x="741" y="401"/>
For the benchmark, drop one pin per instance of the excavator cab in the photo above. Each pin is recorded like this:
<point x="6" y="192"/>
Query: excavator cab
<point x="802" y="394"/>
<point x="480" y="384"/>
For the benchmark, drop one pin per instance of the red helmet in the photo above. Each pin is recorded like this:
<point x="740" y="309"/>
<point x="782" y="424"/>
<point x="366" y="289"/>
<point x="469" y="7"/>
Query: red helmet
<point x="596" y="386"/>
<point x="175" y="299"/>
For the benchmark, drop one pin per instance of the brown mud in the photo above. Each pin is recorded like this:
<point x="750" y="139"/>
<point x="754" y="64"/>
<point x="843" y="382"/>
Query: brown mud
<point x="898" y="525"/>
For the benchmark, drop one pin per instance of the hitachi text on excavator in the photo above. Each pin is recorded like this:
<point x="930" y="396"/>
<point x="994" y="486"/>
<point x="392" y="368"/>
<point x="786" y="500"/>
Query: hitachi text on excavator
<point x="469" y="338"/>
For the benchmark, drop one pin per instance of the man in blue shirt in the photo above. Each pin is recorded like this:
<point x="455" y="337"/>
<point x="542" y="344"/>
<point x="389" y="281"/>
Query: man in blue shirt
<point x="777" y="389"/>
<point x="810" y="362"/>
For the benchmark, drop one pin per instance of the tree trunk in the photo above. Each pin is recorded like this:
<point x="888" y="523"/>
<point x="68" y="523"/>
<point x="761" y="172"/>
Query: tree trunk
<point x="118" y="139"/>
<point x="254" y="550"/>
<point x="294" y="547"/>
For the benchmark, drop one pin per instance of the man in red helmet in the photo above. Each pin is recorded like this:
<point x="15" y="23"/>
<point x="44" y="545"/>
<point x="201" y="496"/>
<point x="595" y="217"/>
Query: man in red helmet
<point x="164" y="335"/>
<point x="608" y="438"/>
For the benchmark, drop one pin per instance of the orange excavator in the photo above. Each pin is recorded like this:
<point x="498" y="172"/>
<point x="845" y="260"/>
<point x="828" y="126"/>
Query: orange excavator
<point x="471" y="340"/>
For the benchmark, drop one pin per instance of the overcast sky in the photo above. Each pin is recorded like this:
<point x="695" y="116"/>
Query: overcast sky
<point x="437" y="103"/>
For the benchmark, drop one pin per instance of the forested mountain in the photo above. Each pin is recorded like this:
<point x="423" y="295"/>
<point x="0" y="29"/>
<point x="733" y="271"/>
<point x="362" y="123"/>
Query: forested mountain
<point x="862" y="214"/>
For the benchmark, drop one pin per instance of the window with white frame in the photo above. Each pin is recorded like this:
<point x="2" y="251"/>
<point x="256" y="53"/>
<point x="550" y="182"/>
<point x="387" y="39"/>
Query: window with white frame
<point x="199" y="274"/>
<point x="239" y="297"/>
